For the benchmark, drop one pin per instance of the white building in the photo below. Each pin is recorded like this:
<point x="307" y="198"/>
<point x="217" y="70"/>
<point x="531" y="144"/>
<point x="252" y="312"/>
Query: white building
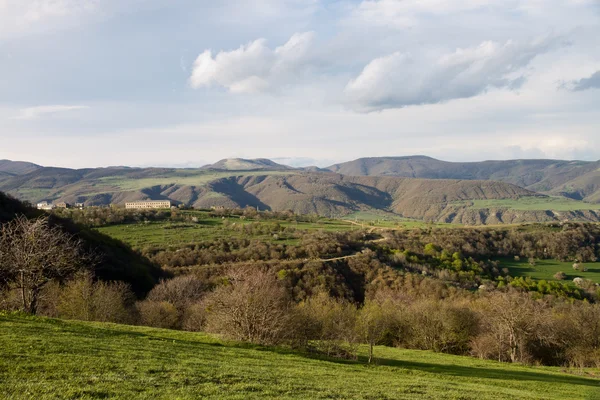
<point x="44" y="205"/>
<point x="148" y="204"/>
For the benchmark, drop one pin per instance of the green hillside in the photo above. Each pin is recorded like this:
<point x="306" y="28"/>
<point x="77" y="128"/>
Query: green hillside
<point x="46" y="358"/>
<point x="116" y="261"/>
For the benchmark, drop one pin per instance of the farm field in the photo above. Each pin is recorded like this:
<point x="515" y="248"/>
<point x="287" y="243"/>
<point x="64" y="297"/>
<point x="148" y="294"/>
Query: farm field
<point x="47" y="358"/>
<point x="546" y="269"/>
<point x="536" y="203"/>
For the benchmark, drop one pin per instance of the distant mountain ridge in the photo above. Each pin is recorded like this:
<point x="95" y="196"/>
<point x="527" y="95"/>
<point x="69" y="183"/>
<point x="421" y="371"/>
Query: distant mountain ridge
<point x="270" y="186"/>
<point x="8" y="167"/>
<point x="578" y="180"/>
<point x="242" y="164"/>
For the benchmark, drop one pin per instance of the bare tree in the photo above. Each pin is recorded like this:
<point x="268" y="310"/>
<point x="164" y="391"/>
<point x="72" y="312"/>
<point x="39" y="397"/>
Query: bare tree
<point x="33" y="253"/>
<point x="514" y="320"/>
<point x="254" y="307"/>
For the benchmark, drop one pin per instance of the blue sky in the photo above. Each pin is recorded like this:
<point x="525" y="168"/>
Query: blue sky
<point x="88" y="83"/>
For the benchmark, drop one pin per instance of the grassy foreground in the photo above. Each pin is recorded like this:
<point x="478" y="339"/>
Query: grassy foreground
<point x="46" y="358"/>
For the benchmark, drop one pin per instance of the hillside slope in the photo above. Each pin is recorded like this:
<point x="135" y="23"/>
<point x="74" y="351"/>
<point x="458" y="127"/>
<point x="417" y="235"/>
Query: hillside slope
<point x="303" y="192"/>
<point x="46" y="358"/>
<point x="574" y="179"/>
<point x="324" y="193"/>
<point x="116" y="260"/>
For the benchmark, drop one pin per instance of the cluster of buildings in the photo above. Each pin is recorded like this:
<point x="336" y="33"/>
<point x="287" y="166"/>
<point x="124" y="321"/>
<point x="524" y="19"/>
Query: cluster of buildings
<point x="44" y="205"/>
<point x="136" y="205"/>
<point x="148" y="204"/>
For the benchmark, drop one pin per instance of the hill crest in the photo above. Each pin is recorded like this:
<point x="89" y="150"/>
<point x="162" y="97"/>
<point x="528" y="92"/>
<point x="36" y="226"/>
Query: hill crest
<point x="242" y="164"/>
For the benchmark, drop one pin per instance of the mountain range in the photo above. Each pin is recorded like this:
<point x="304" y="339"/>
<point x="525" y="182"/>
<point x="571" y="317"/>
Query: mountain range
<point x="416" y="187"/>
<point x="578" y="180"/>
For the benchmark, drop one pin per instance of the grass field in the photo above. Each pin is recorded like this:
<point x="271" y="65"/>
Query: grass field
<point x="384" y="219"/>
<point x="545" y="269"/>
<point x="165" y="234"/>
<point x="536" y="203"/>
<point x="54" y="359"/>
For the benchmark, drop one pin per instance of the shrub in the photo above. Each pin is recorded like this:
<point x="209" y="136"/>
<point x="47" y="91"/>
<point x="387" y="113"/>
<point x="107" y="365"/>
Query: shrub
<point x="84" y="299"/>
<point x="181" y="292"/>
<point x="485" y="346"/>
<point x="159" y="314"/>
<point x="194" y="318"/>
<point x="441" y="326"/>
<point x="330" y="323"/>
<point x="559" y="276"/>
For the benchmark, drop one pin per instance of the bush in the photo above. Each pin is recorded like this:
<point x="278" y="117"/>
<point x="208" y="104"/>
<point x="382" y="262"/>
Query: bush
<point x="485" y="346"/>
<point x="10" y="300"/>
<point x="159" y="314"/>
<point x="181" y="292"/>
<point x="560" y="276"/>
<point x="84" y="299"/>
<point x="194" y="318"/>
<point x="441" y="326"/>
<point x="329" y="324"/>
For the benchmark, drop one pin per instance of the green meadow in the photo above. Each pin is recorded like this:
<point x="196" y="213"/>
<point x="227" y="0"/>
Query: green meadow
<point x="546" y="269"/>
<point x="382" y="219"/>
<point x="54" y="359"/>
<point x="164" y="234"/>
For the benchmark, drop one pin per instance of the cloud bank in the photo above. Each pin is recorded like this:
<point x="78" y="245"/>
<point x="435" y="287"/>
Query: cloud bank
<point x="253" y="67"/>
<point x="399" y="80"/>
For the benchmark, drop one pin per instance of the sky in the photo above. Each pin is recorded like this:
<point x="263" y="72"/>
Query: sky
<point x="183" y="83"/>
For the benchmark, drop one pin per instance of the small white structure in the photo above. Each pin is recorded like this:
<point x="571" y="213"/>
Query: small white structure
<point x="148" y="204"/>
<point x="44" y="205"/>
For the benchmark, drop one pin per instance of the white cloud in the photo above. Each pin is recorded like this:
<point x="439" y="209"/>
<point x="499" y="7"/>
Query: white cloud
<point x="401" y="14"/>
<point x="253" y="67"/>
<point x="26" y="16"/>
<point x="398" y="80"/>
<point x="40" y="111"/>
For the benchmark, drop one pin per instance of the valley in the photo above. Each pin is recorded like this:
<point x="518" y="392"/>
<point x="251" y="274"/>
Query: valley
<point x="486" y="193"/>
